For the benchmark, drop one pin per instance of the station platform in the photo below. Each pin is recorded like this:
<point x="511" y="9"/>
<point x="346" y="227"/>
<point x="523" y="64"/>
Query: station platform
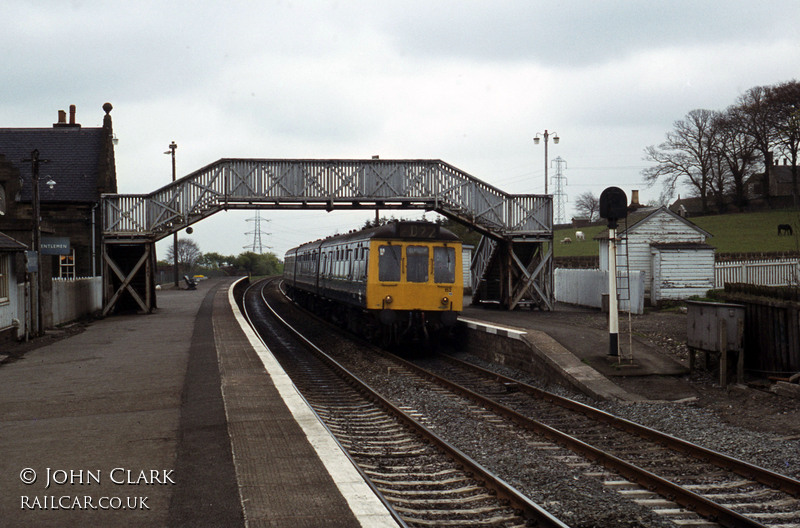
<point x="579" y="352"/>
<point x="178" y="418"/>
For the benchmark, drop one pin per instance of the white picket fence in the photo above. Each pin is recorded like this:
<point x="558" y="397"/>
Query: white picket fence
<point x="774" y="272"/>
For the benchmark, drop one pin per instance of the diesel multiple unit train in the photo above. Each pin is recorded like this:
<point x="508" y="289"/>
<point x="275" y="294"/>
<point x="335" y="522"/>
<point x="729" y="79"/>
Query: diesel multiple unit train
<point x="400" y="282"/>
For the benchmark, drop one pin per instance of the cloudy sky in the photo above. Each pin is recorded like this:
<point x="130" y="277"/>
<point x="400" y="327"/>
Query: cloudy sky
<point x="467" y="82"/>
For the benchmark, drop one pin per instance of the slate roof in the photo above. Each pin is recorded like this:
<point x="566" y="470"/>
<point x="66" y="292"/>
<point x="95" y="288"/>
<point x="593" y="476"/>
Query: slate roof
<point x="642" y="215"/>
<point x="74" y="154"/>
<point x="9" y="244"/>
<point x="781" y="173"/>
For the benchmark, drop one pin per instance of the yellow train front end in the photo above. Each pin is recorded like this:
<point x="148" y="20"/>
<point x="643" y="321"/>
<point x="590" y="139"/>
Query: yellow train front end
<point x="415" y="283"/>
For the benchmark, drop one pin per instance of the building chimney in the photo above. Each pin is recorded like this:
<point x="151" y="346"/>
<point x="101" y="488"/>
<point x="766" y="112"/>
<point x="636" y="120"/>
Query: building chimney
<point x="62" y="119"/>
<point x="635" y="198"/>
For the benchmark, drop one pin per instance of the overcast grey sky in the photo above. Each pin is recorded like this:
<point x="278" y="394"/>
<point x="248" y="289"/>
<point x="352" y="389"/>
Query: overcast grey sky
<point x="468" y="82"/>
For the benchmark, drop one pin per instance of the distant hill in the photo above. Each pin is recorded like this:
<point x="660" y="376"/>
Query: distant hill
<point x="733" y="233"/>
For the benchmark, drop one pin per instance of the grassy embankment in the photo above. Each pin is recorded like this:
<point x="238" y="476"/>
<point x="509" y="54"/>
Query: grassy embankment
<point x="733" y="233"/>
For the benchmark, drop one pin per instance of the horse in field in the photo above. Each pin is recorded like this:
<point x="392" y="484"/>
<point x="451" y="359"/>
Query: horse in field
<point x="784" y="229"/>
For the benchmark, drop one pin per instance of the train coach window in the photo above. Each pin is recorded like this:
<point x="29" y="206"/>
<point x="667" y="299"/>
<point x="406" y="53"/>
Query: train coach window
<point x="417" y="270"/>
<point x="389" y="263"/>
<point x="444" y="264"/>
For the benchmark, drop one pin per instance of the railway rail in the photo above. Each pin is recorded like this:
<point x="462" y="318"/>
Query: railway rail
<point x="721" y="488"/>
<point x="694" y="486"/>
<point x="426" y="480"/>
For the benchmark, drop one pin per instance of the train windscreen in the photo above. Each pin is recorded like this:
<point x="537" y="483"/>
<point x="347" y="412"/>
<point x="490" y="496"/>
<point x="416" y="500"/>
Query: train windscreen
<point x="444" y="265"/>
<point x="417" y="270"/>
<point x="389" y="263"/>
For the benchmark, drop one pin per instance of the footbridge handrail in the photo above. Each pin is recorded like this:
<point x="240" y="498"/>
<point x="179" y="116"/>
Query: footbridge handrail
<point x="326" y="184"/>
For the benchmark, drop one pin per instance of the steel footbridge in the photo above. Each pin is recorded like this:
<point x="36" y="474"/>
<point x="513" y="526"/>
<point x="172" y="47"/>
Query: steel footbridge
<point x="511" y="266"/>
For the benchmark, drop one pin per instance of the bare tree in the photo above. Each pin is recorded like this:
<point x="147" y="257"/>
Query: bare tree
<point x="738" y="149"/>
<point x="686" y="156"/>
<point x="188" y="254"/>
<point x="759" y="122"/>
<point x="785" y="101"/>
<point x="587" y="204"/>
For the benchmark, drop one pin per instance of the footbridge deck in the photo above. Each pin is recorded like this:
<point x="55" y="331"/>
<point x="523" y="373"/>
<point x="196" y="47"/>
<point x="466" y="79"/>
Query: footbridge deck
<point x="141" y="219"/>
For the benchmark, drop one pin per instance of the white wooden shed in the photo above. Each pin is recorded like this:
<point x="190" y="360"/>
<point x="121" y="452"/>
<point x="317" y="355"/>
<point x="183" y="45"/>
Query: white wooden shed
<point x="670" y="250"/>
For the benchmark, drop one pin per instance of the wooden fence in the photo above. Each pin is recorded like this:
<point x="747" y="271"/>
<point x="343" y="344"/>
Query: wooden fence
<point x="772" y="327"/>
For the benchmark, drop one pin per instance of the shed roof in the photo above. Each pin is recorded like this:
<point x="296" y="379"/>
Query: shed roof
<point x="642" y="216"/>
<point x="8" y="244"/>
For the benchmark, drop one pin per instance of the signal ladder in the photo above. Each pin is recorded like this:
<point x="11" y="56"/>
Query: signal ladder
<point x="624" y="286"/>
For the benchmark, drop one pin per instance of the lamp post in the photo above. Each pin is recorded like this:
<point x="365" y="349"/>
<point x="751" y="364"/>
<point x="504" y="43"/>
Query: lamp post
<point x="546" y="136"/>
<point x="171" y="151"/>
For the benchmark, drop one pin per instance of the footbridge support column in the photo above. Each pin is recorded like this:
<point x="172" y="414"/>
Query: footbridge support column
<point x="517" y="272"/>
<point x="129" y="267"/>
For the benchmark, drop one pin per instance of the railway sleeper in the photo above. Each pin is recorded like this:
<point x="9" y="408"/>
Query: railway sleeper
<point x="442" y="502"/>
<point x="416" y="474"/>
<point x="376" y="441"/>
<point x="500" y="515"/>
<point x="428" y="492"/>
<point x="427" y="484"/>
<point x="745" y="495"/>
<point x="492" y="521"/>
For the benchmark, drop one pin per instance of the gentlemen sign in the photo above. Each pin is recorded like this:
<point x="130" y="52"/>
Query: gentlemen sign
<point x="55" y="246"/>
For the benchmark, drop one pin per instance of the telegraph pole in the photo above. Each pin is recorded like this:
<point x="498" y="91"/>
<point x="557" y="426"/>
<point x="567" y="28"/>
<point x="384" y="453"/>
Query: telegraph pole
<point x="37" y="233"/>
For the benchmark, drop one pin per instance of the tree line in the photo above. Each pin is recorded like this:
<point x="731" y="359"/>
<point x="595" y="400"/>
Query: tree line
<point x="716" y="152"/>
<point x="192" y="261"/>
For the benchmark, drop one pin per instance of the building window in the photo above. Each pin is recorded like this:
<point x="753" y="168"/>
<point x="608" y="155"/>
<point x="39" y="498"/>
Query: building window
<point x="66" y="266"/>
<point x="4" y="277"/>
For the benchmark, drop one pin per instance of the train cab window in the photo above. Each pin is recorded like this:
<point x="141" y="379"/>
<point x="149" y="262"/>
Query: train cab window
<point x="389" y="263"/>
<point x="444" y="264"/>
<point x="417" y="269"/>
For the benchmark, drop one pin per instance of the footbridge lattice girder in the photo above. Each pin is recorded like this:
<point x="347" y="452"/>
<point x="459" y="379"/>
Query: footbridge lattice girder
<point x="331" y="184"/>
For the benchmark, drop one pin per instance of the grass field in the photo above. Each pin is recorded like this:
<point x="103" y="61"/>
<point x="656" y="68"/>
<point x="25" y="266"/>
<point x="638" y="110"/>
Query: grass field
<point x="732" y="233"/>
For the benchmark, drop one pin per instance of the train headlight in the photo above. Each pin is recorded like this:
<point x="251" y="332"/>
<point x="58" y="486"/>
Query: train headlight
<point x="445" y="301"/>
<point x="388" y="299"/>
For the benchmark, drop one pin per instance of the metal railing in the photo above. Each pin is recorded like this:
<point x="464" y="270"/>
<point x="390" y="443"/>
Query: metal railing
<point x="325" y="184"/>
<point x="481" y="260"/>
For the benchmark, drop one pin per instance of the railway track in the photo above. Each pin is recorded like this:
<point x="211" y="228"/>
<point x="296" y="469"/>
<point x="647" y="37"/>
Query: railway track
<point x="679" y="481"/>
<point x="427" y="481"/>
<point x="723" y="489"/>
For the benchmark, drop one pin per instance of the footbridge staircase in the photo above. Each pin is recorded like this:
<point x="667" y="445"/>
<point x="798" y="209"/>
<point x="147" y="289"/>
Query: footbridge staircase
<point x="512" y="264"/>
